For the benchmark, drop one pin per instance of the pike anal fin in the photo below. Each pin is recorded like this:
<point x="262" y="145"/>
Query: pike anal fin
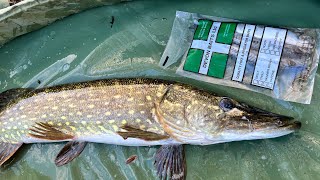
<point x="70" y="151"/>
<point x="7" y="150"/>
<point x="170" y="162"/>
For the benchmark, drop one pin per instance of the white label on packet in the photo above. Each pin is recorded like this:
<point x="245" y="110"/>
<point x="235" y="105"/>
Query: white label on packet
<point x="243" y="53"/>
<point x="269" y="56"/>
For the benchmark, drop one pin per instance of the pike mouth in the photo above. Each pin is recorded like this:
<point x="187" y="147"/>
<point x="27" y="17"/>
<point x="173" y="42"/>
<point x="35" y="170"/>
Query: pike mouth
<point x="295" y="125"/>
<point x="260" y="119"/>
<point x="274" y="121"/>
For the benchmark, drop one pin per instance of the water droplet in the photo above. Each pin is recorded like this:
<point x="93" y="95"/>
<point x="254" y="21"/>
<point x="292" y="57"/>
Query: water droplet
<point x="112" y="157"/>
<point x="65" y="67"/>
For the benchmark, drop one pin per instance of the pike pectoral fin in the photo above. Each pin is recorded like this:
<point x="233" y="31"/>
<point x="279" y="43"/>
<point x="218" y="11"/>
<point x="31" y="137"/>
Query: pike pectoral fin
<point x="49" y="132"/>
<point x="132" y="132"/>
<point x="170" y="162"/>
<point x="70" y="151"/>
<point x="7" y="150"/>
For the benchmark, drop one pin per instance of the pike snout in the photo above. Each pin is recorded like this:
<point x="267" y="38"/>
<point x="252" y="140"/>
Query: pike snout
<point x="244" y="122"/>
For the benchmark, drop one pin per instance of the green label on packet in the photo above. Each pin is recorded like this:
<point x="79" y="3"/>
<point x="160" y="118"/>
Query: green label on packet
<point x="208" y="54"/>
<point x="203" y="29"/>
<point x="218" y="65"/>
<point x="193" y="60"/>
<point x="226" y="32"/>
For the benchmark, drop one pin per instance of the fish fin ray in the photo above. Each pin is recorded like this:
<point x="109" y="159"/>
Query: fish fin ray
<point x="170" y="162"/>
<point x="132" y="132"/>
<point x="49" y="132"/>
<point x="7" y="150"/>
<point x="11" y="96"/>
<point x="70" y="151"/>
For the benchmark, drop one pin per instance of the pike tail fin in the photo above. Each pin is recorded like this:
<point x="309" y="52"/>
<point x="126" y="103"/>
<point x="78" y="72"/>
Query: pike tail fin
<point x="12" y="96"/>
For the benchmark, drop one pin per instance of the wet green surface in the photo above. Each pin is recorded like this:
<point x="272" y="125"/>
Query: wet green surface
<point x="84" y="47"/>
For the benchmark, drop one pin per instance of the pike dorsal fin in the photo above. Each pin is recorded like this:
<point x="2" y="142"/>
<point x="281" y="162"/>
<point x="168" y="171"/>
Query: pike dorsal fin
<point x="70" y="151"/>
<point x="132" y="132"/>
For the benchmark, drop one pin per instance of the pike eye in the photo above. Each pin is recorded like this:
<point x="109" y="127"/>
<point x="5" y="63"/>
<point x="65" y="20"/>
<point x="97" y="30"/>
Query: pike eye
<point x="279" y="123"/>
<point x="226" y="104"/>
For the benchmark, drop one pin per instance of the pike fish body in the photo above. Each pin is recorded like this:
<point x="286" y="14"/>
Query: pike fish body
<point x="96" y="112"/>
<point x="131" y="112"/>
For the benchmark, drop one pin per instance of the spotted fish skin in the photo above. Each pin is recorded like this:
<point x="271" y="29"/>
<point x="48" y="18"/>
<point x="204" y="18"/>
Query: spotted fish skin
<point x="84" y="109"/>
<point x="157" y="112"/>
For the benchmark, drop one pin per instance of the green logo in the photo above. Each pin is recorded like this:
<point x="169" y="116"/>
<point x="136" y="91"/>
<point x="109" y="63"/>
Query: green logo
<point x="203" y="48"/>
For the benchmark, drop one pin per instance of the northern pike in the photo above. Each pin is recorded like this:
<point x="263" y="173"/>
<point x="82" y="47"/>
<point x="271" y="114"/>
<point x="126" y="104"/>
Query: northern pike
<point x="131" y="112"/>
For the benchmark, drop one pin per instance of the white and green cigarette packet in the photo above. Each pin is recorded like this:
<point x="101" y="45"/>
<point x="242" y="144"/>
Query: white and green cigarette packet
<point x="277" y="61"/>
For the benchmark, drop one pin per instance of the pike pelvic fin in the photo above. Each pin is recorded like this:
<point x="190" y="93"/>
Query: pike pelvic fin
<point x="7" y="150"/>
<point x="49" y="132"/>
<point x="132" y="132"/>
<point x="11" y="96"/>
<point x="70" y="151"/>
<point x="170" y="162"/>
